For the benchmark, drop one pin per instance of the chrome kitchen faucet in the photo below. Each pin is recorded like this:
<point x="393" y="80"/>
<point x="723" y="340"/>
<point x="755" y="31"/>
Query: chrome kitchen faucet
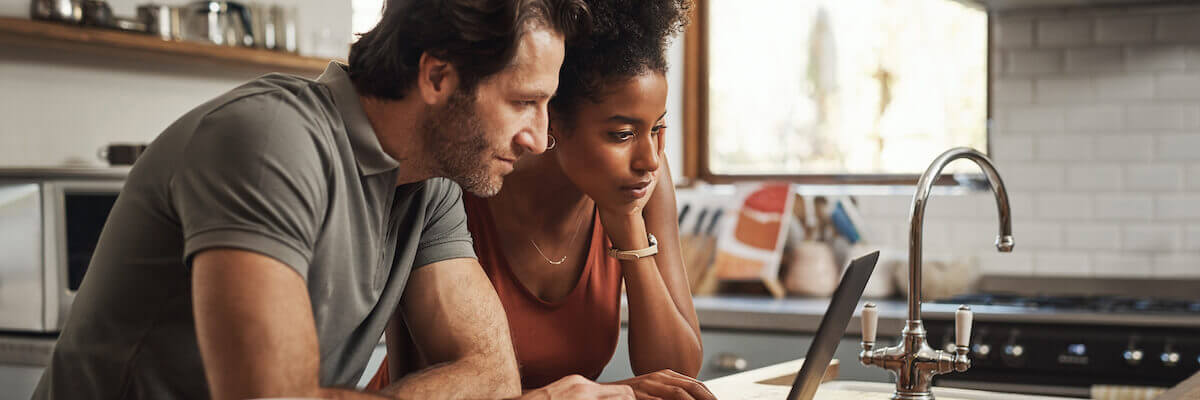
<point x="912" y="360"/>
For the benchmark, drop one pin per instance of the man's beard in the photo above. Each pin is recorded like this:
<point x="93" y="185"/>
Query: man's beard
<point x="454" y="136"/>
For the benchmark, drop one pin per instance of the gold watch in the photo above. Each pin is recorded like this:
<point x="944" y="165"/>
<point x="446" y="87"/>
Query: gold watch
<point x="636" y="254"/>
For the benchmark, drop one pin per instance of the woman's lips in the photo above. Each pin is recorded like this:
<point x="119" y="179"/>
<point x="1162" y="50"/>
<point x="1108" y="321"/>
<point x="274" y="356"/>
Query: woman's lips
<point x="636" y="191"/>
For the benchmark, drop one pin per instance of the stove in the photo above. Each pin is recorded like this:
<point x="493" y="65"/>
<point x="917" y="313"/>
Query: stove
<point x="1065" y="352"/>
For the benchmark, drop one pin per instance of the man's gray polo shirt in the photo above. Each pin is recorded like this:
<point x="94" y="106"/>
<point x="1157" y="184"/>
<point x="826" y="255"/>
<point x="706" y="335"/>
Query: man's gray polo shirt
<point x="283" y="166"/>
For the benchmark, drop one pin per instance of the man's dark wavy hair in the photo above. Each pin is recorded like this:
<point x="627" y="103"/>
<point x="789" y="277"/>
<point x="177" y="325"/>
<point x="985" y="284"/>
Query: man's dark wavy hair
<point x="627" y="38"/>
<point x="478" y="37"/>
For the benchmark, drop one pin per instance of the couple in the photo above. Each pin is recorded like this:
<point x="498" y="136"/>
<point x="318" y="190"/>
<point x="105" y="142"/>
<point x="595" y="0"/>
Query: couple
<point x="267" y="238"/>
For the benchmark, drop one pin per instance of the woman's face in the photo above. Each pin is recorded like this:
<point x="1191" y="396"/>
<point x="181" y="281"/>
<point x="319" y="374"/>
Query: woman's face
<point x="613" y="148"/>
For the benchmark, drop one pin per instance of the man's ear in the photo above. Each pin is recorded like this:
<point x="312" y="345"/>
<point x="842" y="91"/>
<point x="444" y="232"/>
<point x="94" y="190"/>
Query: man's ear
<point x="437" y="79"/>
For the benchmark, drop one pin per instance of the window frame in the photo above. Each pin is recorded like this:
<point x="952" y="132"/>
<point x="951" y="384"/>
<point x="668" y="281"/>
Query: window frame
<point x="695" y="107"/>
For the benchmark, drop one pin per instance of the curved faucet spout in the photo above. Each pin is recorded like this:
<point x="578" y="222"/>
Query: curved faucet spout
<point x="1004" y="242"/>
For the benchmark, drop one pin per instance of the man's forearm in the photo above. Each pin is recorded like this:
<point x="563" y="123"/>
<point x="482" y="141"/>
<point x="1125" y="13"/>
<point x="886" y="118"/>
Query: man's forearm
<point x="471" y="377"/>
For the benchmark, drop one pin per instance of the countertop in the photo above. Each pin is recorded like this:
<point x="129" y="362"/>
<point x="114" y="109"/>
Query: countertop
<point x="802" y="315"/>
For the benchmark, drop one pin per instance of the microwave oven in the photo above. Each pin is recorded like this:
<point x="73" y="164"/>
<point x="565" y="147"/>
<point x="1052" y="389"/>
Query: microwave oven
<point x="50" y="222"/>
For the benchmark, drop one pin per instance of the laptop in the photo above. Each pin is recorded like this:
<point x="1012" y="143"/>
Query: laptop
<point x="833" y="327"/>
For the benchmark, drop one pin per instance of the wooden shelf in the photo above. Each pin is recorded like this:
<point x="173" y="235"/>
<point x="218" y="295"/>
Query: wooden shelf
<point x="107" y="42"/>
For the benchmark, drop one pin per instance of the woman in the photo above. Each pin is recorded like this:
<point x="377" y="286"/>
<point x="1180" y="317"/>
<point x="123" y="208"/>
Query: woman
<point x="601" y="184"/>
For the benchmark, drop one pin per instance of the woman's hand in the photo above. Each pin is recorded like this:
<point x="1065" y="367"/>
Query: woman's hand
<point x="667" y="385"/>
<point x="624" y="223"/>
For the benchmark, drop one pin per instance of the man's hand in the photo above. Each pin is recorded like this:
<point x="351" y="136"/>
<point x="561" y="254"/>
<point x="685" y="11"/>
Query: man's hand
<point x="667" y="385"/>
<point x="575" y="387"/>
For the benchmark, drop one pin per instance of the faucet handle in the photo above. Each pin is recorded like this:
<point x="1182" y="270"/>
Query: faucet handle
<point x="870" y="320"/>
<point x="962" y="325"/>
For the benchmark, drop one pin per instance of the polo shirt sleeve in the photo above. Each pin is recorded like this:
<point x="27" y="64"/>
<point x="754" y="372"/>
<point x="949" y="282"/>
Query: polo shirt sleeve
<point x="445" y="235"/>
<point x="252" y="178"/>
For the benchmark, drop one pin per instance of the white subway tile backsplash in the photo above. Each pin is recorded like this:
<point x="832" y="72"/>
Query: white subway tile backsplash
<point x="1064" y="148"/>
<point x="883" y="206"/>
<point x="1121" y="265"/>
<point x="1125" y="29"/>
<point x="1008" y="148"/>
<point x="1014" y="33"/>
<point x="1030" y="235"/>
<point x="1093" y="236"/>
<point x="1025" y="62"/>
<point x="1064" y="32"/>
<point x="1179" y="147"/>
<point x="1178" y="86"/>
<point x="1183" y="265"/>
<point x="1121" y="87"/>
<point x="1106" y="59"/>
<point x="1100" y="118"/>
<point x="1191" y="237"/>
<point x="1062" y="263"/>
<point x="1012" y="91"/>
<point x="1155" y="58"/>
<point x="1062" y="206"/>
<point x="1097" y="136"/>
<point x="1150" y="237"/>
<point x="1019" y="262"/>
<point x="1154" y="117"/>
<point x="1193" y="177"/>
<point x="953" y="206"/>
<point x="1174" y="207"/>
<point x="1031" y="177"/>
<point x="973" y="235"/>
<point x="1124" y="148"/>
<point x="1064" y="90"/>
<point x="1094" y="177"/>
<point x="1153" y="177"/>
<point x="1183" y="27"/>
<point x="1191" y="118"/>
<point x="1131" y="207"/>
<point x="1036" y="119"/>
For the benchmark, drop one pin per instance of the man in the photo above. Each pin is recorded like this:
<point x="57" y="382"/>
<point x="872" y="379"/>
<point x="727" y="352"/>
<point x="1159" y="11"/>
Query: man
<point x="264" y="240"/>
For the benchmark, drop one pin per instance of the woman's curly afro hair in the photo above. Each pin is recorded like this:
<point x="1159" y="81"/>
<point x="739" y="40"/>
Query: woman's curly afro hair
<point x="627" y="38"/>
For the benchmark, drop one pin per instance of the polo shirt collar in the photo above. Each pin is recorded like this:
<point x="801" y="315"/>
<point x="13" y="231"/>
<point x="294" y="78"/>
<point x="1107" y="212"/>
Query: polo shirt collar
<point x="368" y="153"/>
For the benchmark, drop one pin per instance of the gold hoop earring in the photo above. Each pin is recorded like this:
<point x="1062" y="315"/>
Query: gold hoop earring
<point x="552" y="142"/>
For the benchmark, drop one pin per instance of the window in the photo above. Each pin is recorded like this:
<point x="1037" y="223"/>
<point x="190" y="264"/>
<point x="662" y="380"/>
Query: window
<point x="364" y="15"/>
<point x="835" y="89"/>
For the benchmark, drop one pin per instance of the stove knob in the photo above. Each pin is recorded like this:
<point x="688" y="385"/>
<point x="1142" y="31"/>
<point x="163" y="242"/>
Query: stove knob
<point x="1133" y="357"/>
<point x="981" y="350"/>
<point x="1014" y="355"/>
<point x="1169" y="358"/>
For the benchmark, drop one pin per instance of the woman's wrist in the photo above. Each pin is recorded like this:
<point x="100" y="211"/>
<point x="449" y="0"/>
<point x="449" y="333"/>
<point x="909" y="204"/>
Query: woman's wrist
<point x="627" y="232"/>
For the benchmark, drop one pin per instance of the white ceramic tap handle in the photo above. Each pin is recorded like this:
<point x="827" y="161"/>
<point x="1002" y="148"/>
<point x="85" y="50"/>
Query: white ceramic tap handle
<point x="962" y="326"/>
<point x="870" y="320"/>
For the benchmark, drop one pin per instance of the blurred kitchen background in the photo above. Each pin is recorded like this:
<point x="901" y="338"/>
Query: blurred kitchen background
<point x="1090" y="110"/>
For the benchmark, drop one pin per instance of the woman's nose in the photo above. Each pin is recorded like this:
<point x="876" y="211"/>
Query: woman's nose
<point x="646" y="155"/>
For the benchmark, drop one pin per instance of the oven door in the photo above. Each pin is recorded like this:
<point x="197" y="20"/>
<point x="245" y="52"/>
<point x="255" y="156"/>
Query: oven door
<point x="21" y="293"/>
<point x="78" y="211"/>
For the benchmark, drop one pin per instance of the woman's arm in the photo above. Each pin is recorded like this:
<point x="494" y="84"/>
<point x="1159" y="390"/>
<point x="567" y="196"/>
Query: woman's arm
<point x="663" y="329"/>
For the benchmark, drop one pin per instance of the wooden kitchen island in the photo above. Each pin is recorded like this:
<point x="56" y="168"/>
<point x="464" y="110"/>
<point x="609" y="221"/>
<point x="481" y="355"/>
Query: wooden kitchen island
<point x="773" y="383"/>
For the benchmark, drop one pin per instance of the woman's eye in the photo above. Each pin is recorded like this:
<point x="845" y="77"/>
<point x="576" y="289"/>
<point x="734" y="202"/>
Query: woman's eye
<point x="658" y="129"/>
<point x="621" y="135"/>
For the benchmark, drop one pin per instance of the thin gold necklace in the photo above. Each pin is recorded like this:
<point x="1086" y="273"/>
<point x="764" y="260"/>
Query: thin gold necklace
<point x="564" y="257"/>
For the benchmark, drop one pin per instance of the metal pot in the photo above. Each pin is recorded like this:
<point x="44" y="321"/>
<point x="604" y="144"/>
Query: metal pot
<point x="217" y="22"/>
<point x="160" y="20"/>
<point x="57" y="10"/>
